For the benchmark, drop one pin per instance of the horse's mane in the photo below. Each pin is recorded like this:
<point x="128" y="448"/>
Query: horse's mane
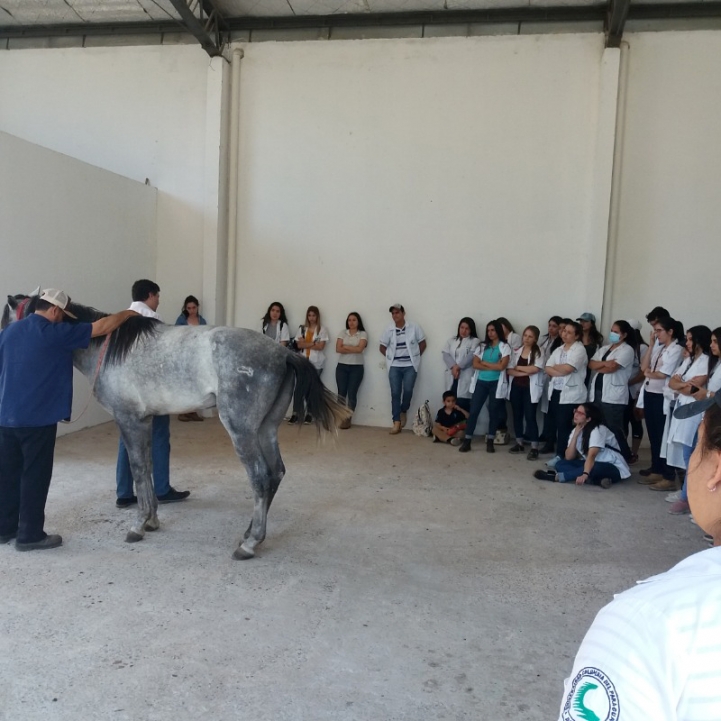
<point x="124" y="339"/>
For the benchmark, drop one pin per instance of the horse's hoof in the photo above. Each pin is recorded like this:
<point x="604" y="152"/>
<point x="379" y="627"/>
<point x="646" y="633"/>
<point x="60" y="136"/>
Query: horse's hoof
<point x="151" y="526"/>
<point x="133" y="537"/>
<point x="241" y="554"/>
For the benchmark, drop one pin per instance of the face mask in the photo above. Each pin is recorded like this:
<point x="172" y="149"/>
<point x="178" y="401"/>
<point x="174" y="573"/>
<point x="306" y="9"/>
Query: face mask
<point x="614" y="337"/>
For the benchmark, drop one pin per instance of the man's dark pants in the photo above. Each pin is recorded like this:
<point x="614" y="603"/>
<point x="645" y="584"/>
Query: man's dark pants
<point x="26" y="467"/>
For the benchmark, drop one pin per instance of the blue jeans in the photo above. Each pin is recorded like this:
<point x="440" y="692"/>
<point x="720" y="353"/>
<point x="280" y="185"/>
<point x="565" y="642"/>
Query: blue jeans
<point x="523" y="409"/>
<point x="402" y="381"/>
<point x="348" y="379"/>
<point x="687" y="451"/>
<point x="484" y="391"/>
<point x="569" y="471"/>
<point x="161" y="461"/>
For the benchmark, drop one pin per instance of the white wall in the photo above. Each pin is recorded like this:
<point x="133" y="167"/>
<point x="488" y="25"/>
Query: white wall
<point x="453" y="176"/>
<point x="66" y="224"/>
<point x="141" y="112"/>
<point x="669" y="230"/>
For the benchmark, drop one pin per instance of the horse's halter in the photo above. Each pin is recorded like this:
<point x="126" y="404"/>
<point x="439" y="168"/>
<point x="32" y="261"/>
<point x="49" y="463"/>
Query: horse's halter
<point x="20" y="310"/>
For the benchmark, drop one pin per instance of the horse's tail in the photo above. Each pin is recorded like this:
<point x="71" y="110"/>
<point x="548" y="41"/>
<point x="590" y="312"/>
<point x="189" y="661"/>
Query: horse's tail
<point x="323" y="405"/>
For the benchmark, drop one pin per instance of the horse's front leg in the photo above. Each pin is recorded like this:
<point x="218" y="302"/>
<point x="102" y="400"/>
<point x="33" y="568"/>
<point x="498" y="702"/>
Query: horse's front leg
<point x="137" y="436"/>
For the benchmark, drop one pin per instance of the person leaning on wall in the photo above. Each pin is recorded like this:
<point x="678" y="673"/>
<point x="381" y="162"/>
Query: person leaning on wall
<point x="190" y="315"/>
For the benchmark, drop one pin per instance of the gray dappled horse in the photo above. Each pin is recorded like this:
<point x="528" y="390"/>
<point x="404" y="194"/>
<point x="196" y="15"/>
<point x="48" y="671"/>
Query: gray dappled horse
<point x="145" y="368"/>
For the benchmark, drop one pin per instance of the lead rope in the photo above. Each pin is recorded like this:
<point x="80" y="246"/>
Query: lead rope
<point x="101" y="357"/>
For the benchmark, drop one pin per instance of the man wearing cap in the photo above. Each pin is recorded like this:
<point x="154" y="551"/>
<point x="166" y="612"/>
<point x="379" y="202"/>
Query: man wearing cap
<point x="402" y="343"/>
<point x="146" y="299"/>
<point x="36" y="391"/>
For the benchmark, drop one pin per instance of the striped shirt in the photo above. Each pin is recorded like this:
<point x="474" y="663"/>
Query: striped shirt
<point x="654" y="653"/>
<point x="402" y="357"/>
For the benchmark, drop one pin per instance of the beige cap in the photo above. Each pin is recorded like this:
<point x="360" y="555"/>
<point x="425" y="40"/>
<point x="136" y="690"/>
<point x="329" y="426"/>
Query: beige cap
<point x="59" y="298"/>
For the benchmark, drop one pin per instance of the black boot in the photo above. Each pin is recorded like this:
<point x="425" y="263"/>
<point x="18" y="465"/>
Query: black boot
<point x="490" y="448"/>
<point x="465" y="446"/>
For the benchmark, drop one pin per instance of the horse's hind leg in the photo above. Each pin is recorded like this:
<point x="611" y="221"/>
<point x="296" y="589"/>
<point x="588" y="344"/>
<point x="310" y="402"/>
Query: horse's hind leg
<point x="137" y="436"/>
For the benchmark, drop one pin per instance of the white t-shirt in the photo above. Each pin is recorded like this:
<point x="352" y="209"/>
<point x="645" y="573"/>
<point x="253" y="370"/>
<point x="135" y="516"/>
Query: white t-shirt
<point x="352" y="359"/>
<point x="139" y="307"/>
<point x="602" y="437"/>
<point x="654" y="652"/>
<point x="316" y="357"/>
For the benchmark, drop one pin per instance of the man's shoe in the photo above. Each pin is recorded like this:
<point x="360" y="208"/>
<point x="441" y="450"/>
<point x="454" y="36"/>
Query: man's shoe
<point x="679" y="508"/>
<point x="293" y="420"/>
<point x="396" y="428"/>
<point x="532" y="455"/>
<point x="547" y="448"/>
<point x="196" y="417"/>
<point x="516" y="448"/>
<point x="404" y="419"/>
<point x="52" y="541"/>
<point x="663" y="485"/>
<point x="173" y="496"/>
<point x="8" y="537"/>
<point x="650" y="480"/>
<point x="184" y="417"/>
<point x="126" y="502"/>
<point x="465" y="446"/>
<point x="545" y="475"/>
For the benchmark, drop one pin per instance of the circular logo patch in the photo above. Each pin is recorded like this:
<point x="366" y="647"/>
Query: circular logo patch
<point x="592" y="698"/>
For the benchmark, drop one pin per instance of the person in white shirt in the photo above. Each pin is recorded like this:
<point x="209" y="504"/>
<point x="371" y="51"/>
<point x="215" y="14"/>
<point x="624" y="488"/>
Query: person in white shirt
<point x="662" y="358"/>
<point x="146" y="299"/>
<point x="654" y="652"/>
<point x="350" y="345"/>
<point x="611" y="368"/>
<point x="514" y="342"/>
<point x="402" y="344"/>
<point x="458" y="359"/>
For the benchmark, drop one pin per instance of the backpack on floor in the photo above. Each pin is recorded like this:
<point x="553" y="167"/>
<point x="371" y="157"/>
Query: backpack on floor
<point x="423" y="423"/>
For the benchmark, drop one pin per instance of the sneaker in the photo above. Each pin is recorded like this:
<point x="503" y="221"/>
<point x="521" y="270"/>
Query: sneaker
<point x="126" y="502"/>
<point x="6" y="538"/>
<point x="516" y="448"/>
<point x="552" y="463"/>
<point x="465" y="446"/>
<point x="173" y="496"/>
<point x="606" y="483"/>
<point x="308" y="419"/>
<point x="679" y="508"/>
<point x="293" y="420"/>
<point x="455" y="441"/>
<point x="693" y="520"/>
<point x="545" y="475"/>
<point x="650" y="480"/>
<point x="490" y="447"/>
<point x="663" y="485"/>
<point x="52" y="541"/>
<point x="503" y="438"/>
<point x="673" y="497"/>
<point x="532" y="455"/>
<point x="547" y="448"/>
<point x="708" y="538"/>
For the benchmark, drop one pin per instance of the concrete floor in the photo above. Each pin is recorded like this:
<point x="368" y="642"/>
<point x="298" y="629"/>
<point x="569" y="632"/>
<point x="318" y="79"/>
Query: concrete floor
<point x="400" y="580"/>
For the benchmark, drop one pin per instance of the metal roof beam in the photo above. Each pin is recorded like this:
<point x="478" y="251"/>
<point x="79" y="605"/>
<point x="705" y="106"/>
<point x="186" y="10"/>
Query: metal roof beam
<point x="204" y="21"/>
<point x="615" y="20"/>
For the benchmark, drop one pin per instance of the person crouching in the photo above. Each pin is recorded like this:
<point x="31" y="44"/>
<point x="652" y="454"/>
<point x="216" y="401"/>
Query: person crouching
<point x="450" y="423"/>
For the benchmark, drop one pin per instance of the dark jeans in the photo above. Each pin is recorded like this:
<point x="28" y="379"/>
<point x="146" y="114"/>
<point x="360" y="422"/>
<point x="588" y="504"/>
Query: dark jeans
<point x="614" y="415"/>
<point x="571" y="470"/>
<point x="485" y="391"/>
<point x="523" y="409"/>
<point x="161" y="462"/>
<point x="655" y="422"/>
<point x="348" y="379"/>
<point x="635" y="423"/>
<point x="464" y="403"/>
<point x="560" y="416"/>
<point x="402" y="380"/>
<point x="299" y="401"/>
<point x="26" y="467"/>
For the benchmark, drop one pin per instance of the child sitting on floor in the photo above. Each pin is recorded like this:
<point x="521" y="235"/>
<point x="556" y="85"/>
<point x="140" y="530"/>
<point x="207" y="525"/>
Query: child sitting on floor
<point x="450" y="421"/>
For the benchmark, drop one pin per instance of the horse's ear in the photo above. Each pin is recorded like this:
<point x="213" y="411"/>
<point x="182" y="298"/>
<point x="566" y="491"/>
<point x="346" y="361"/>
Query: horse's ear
<point x="12" y="302"/>
<point x="35" y="292"/>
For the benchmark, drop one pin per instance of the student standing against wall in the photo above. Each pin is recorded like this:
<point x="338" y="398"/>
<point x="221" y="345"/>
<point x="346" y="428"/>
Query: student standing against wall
<point x="350" y="345"/>
<point x="458" y="358"/>
<point x="275" y="324"/>
<point x="402" y="344"/>
<point x="635" y="382"/>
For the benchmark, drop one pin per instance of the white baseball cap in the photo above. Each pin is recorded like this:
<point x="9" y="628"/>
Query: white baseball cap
<point x="635" y="324"/>
<point x="59" y="298"/>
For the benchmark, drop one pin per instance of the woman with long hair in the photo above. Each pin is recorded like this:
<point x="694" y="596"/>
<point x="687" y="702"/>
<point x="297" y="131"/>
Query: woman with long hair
<point x="310" y="340"/>
<point x="611" y="368"/>
<point x="490" y="361"/>
<point x="663" y="357"/>
<point x="350" y="345"/>
<point x="190" y="314"/>
<point x="567" y="370"/>
<point x="458" y="359"/>
<point x="550" y="340"/>
<point x="525" y="378"/>
<point x="592" y="455"/>
<point x="275" y="324"/>
<point x="632" y="417"/>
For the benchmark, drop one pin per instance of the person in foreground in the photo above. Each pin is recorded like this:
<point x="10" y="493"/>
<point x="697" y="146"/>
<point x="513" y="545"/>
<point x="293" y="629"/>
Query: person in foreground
<point x="655" y="651"/>
<point x="592" y="456"/>
<point x="36" y="391"/>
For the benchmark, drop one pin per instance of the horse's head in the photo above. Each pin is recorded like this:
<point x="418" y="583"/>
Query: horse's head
<point x="18" y="307"/>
